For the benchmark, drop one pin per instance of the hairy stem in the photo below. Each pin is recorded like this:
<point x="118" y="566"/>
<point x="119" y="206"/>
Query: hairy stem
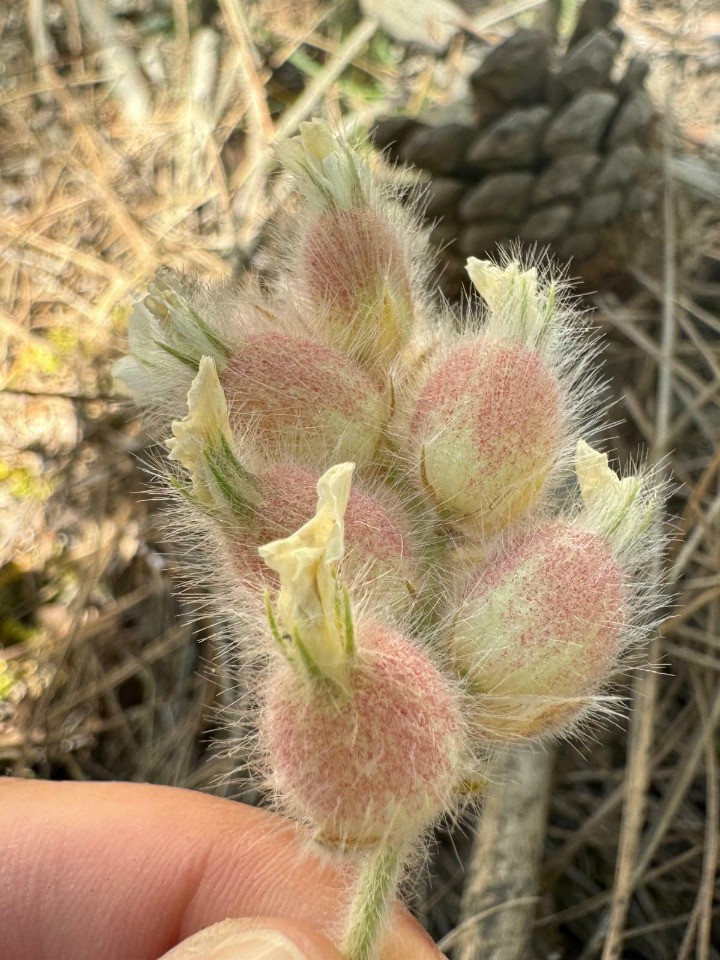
<point x="374" y="895"/>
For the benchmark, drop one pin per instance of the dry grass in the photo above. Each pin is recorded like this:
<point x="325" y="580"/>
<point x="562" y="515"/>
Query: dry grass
<point x="105" y="175"/>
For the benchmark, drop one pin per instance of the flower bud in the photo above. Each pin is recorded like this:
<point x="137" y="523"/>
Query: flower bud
<point x="303" y="399"/>
<point x="326" y="168"/>
<point x="315" y="627"/>
<point x="622" y="508"/>
<point x="167" y="337"/>
<point x="514" y="295"/>
<point x="380" y="760"/>
<point x="539" y="629"/>
<point x="486" y="429"/>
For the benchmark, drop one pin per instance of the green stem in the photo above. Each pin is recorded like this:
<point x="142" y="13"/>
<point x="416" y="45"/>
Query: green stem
<point x="373" y="898"/>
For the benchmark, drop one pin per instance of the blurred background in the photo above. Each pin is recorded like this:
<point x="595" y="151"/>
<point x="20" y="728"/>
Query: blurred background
<point x="136" y="134"/>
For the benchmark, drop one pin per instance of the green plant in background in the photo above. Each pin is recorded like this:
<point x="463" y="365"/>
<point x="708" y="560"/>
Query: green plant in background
<point x="424" y="557"/>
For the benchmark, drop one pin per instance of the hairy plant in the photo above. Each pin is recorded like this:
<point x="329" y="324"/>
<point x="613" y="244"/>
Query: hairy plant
<point x="423" y="556"/>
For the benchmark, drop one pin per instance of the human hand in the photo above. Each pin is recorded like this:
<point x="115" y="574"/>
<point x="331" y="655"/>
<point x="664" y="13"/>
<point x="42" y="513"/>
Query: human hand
<point x="122" y="871"/>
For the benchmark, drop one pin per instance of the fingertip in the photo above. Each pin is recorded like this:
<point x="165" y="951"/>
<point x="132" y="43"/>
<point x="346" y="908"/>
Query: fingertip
<point x="278" y="938"/>
<point x="259" y="938"/>
<point x="407" y="939"/>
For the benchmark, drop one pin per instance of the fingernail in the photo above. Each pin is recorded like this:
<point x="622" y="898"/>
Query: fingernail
<point x="237" y="940"/>
<point x="255" y="945"/>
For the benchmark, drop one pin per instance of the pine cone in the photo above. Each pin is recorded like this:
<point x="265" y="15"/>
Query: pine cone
<point x="558" y="156"/>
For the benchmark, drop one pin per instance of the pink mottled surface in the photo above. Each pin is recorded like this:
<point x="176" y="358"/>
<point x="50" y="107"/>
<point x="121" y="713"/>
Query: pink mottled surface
<point x="382" y="760"/>
<point x="302" y="393"/>
<point x="490" y="420"/>
<point x="549" y="614"/>
<point x="356" y="275"/>
<point x="378" y="536"/>
<point x="347" y="254"/>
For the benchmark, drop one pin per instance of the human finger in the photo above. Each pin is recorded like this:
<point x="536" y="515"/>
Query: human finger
<point x="126" y="871"/>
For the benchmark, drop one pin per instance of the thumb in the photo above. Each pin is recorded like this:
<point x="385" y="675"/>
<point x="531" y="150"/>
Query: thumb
<point x="257" y="939"/>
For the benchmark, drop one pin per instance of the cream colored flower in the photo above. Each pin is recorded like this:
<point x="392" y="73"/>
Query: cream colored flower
<point x="310" y="601"/>
<point x="497" y="285"/>
<point x="202" y="431"/>
<point x="514" y="295"/>
<point x="325" y="168"/>
<point x="621" y="508"/>
<point x="317" y="139"/>
<point x="598" y="481"/>
<point x="166" y="337"/>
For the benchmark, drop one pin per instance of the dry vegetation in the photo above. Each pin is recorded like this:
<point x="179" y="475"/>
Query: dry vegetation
<point x="136" y="140"/>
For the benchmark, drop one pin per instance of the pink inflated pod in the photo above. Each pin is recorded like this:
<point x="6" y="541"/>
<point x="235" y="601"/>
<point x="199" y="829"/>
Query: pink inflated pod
<point x="540" y="629"/>
<point x="495" y="414"/>
<point x="304" y="398"/>
<point x="362" y="734"/>
<point x="544" y="622"/>
<point x="486" y="430"/>
<point x="371" y="760"/>
<point x="357" y="259"/>
<point x="383" y="544"/>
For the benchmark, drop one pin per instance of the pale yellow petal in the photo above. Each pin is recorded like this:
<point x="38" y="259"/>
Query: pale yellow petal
<point x="514" y="295"/>
<point x="309" y="151"/>
<point x="202" y="429"/>
<point x="618" y="504"/>
<point x="489" y="280"/>
<point x="593" y="471"/>
<point x="498" y="285"/>
<point x="306" y="562"/>
<point x="325" y="168"/>
<point x="597" y="479"/>
<point x="317" y="139"/>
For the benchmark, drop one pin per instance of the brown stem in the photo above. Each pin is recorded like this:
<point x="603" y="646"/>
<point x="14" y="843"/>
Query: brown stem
<point x="502" y="875"/>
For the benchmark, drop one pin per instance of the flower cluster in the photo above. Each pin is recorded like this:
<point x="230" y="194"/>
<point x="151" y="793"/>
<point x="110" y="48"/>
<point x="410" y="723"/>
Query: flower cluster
<point x="426" y="557"/>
